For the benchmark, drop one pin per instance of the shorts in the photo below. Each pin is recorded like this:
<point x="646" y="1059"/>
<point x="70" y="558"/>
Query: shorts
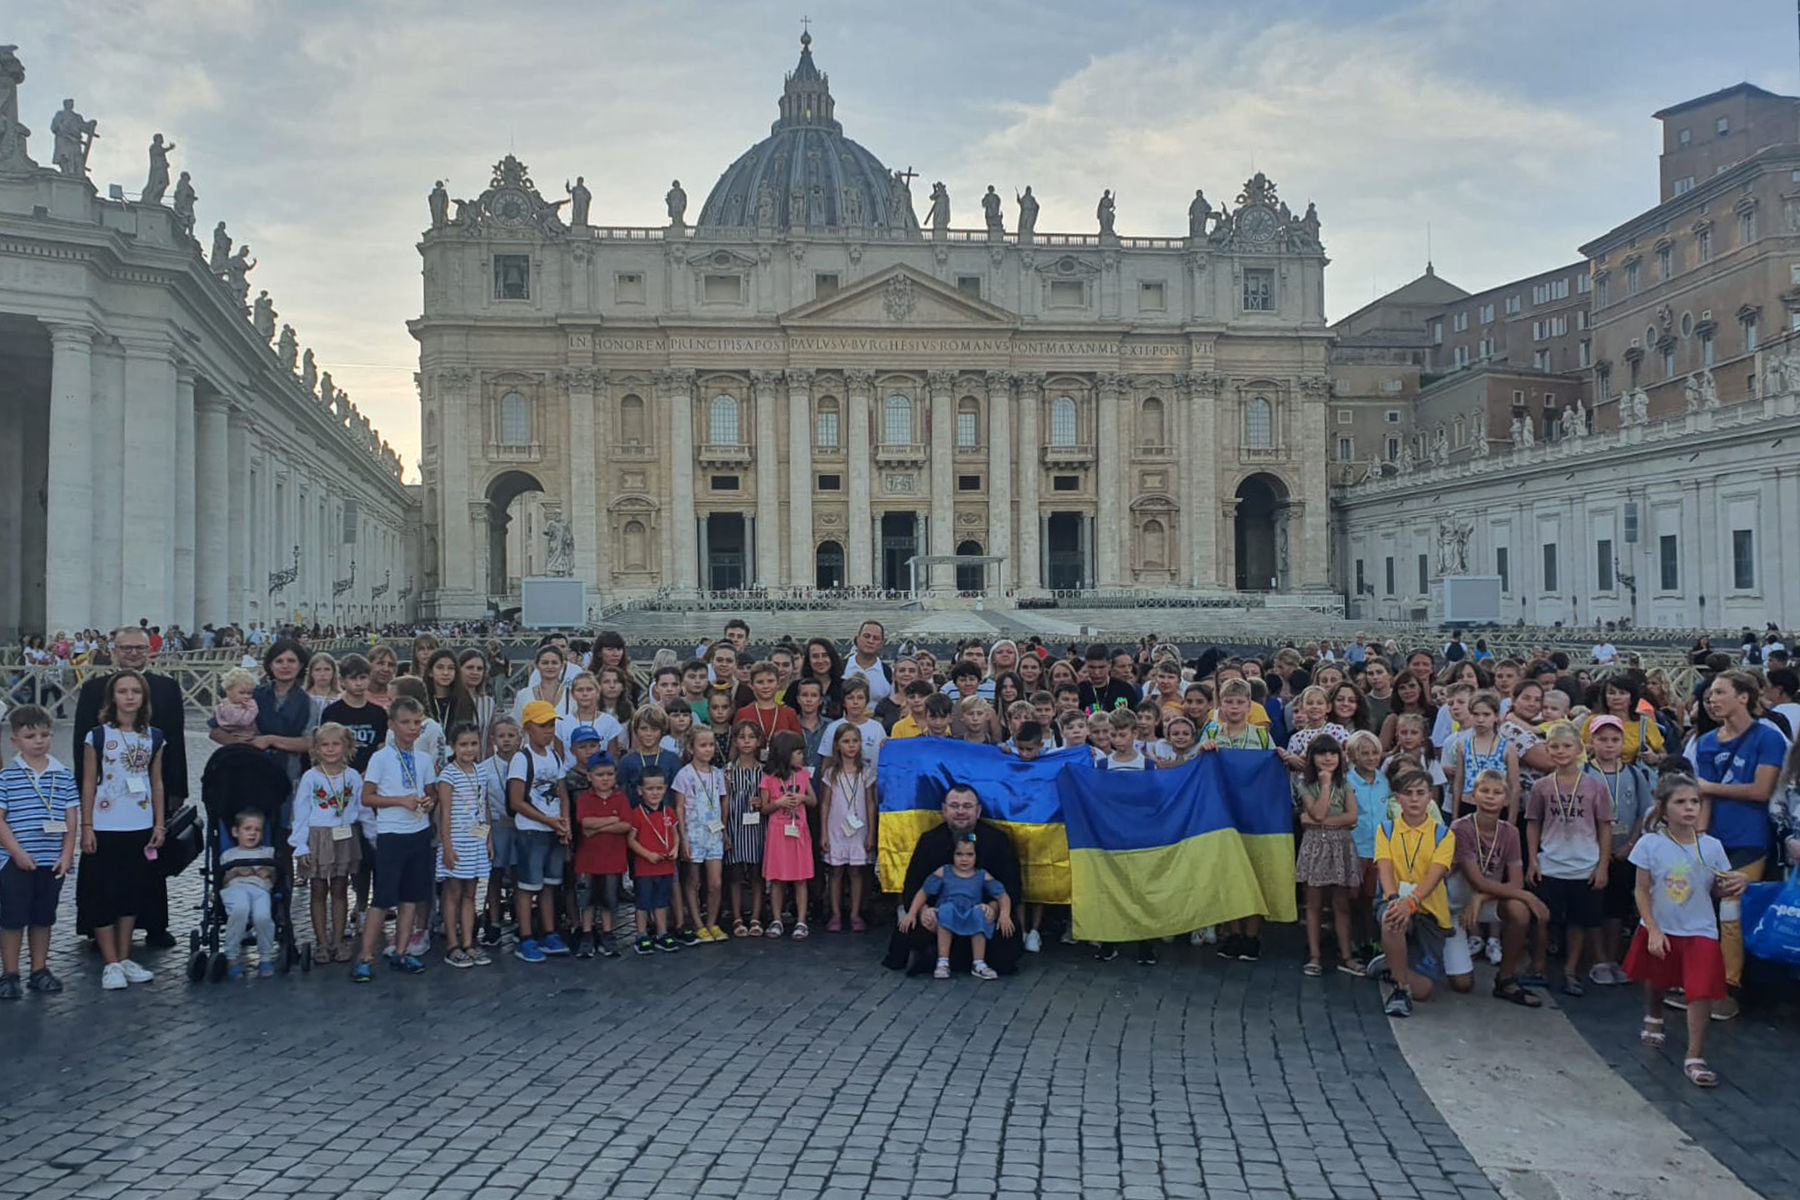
<point x="539" y="856"/>
<point x="1572" y="902"/>
<point x="1619" y="901"/>
<point x="1425" y="943"/>
<point x="506" y="845"/>
<point x="705" y="846"/>
<point x="405" y="869"/>
<point x="28" y="898"/>
<point x="654" y="892"/>
<point x="597" y="891"/>
<point x="1694" y="964"/>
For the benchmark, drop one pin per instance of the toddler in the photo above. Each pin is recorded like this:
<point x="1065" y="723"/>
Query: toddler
<point x="236" y="714"/>
<point x="960" y="890"/>
<point x="246" y="888"/>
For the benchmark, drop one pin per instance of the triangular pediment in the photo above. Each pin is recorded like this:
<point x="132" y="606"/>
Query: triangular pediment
<point x="900" y="297"/>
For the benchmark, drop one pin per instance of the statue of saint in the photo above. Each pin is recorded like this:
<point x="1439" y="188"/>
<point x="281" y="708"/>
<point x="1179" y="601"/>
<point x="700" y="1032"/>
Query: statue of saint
<point x="74" y="136"/>
<point x="1580" y="418"/>
<point x="765" y="207"/>
<point x="221" y="250"/>
<point x="675" y="200"/>
<point x="262" y="316"/>
<point x="990" y="209"/>
<point x="237" y="272"/>
<point x="309" y="372"/>
<point x="1709" y="389"/>
<point x="439" y="200"/>
<point x="1199" y="213"/>
<point x="580" y="201"/>
<point x="900" y="205"/>
<point x="12" y="133"/>
<point x="1690" y="393"/>
<point x="286" y="347"/>
<point x="327" y="391"/>
<point x="1405" y="463"/>
<point x="852" y="207"/>
<point x="562" y="547"/>
<point x="184" y="203"/>
<point x="938" y="217"/>
<point x="1478" y="438"/>
<point x="1309" y="225"/>
<point x="1028" y="211"/>
<point x="1104" y="211"/>
<point x="158" y="182"/>
<point x="1440" y="446"/>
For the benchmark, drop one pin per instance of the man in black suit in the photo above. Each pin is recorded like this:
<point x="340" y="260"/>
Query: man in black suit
<point x="131" y="651"/>
<point x="915" y="950"/>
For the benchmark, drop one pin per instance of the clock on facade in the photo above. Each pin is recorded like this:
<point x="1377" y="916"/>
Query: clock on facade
<point x="510" y="205"/>
<point x="1257" y="223"/>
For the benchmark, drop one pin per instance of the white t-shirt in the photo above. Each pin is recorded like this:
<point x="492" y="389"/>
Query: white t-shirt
<point x="122" y="800"/>
<point x="390" y="772"/>
<point x="1605" y="652"/>
<point x="1137" y="762"/>
<point x="564" y="702"/>
<point x="547" y="769"/>
<point x="605" y="724"/>
<point x="880" y="686"/>
<point x="1789" y="710"/>
<point x="872" y="734"/>
<point x="1681" y="880"/>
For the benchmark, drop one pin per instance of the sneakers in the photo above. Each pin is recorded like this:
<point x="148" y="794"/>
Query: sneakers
<point x="408" y="964"/>
<point x="266" y="971"/>
<point x="1726" y="1009"/>
<point x="982" y="971"/>
<point x="1229" y="945"/>
<point x="11" y="988"/>
<point x="490" y="935"/>
<point x="1146" y="954"/>
<point x="112" y="978"/>
<point x="606" y="948"/>
<point x="478" y="957"/>
<point x="1068" y="935"/>
<point x="459" y="958"/>
<point x="234" y="972"/>
<point x="1477" y="945"/>
<point x="1493" y="951"/>
<point x="719" y="935"/>
<point x="646" y="945"/>
<point x="1034" y="941"/>
<point x="1399" y="1003"/>
<point x="1376" y="967"/>
<point x="686" y="935"/>
<point x="419" y="944"/>
<point x="362" y="973"/>
<point x="1105" y="952"/>
<point x="667" y="943"/>
<point x="44" y="983"/>
<point x="1249" y="949"/>
<point x="529" y="951"/>
<point x="1602" y="974"/>
<point x="1673" y="998"/>
<point x="134" y="973"/>
<point x="585" y="947"/>
<point x="554" y="945"/>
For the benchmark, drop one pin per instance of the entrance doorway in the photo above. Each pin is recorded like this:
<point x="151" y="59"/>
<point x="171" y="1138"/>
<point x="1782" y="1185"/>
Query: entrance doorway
<point x="1261" y="534"/>
<point x="828" y="565"/>
<point x="726" y="564"/>
<point x="1066" y="549"/>
<point x="899" y="542"/>
<point x="504" y="508"/>
<point x="970" y="577"/>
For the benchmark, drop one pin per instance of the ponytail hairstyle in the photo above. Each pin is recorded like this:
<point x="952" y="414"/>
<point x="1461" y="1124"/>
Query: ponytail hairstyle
<point x="1668" y="785"/>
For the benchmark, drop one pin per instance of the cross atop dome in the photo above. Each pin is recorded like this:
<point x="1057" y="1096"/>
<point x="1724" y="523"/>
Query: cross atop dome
<point x="806" y="97"/>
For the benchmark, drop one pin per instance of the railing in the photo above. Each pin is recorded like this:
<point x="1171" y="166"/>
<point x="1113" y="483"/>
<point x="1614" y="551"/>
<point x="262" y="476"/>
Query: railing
<point x="871" y="233"/>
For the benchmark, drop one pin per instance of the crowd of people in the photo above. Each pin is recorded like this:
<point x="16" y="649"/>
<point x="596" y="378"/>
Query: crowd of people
<point x="1575" y="825"/>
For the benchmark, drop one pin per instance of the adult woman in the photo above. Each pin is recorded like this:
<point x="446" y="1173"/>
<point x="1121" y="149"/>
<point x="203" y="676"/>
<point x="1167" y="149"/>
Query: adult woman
<point x="423" y="647"/>
<point x="440" y="686"/>
<point x="609" y="651"/>
<point x="1702" y="650"/>
<point x="822" y="663"/>
<point x="1519" y="728"/>
<point x="1410" y="696"/>
<point x="1619" y="696"/>
<point x="1002" y="657"/>
<point x="285" y="715"/>
<point x="547" y="684"/>
<point x="1378" y="690"/>
<point x="1031" y="671"/>
<point x="470" y="700"/>
<point x="1062" y="672"/>
<point x="1349" y="708"/>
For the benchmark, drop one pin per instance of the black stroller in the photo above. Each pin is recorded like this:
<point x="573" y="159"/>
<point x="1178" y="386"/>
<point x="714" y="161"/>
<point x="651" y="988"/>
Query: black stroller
<point x="236" y="778"/>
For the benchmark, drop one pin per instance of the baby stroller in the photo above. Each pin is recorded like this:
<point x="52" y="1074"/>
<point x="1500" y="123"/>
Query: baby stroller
<point x="237" y="778"/>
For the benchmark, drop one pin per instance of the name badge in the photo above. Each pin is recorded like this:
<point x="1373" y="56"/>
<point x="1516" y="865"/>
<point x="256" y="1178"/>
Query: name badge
<point x="715" y="827"/>
<point x="854" y="820"/>
<point x="56" y="827"/>
<point x="479" y="831"/>
<point x="791" y="829"/>
<point x="137" y="785"/>
<point x="342" y="833"/>
<point x="1407" y="889"/>
<point x="753" y="818"/>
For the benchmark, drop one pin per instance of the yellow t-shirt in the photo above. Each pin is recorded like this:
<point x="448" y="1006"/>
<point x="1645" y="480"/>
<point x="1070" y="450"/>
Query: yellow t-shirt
<point x="905" y="727"/>
<point x="1258" y="715"/>
<point x="1413" y="852"/>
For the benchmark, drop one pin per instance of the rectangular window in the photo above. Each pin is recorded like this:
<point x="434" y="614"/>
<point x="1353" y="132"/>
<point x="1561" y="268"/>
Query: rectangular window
<point x="967" y="431"/>
<point x="512" y="276"/>
<point x="1665" y="262"/>
<point x="1437" y="333"/>
<point x="831" y="483"/>
<point x="1537" y="331"/>
<point x="1486" y="348"/>
<point x="1750" y="331"/>
<point x="1152" y="297"/>
<point x="968" y="483"/>
<point x="1603" y="292"/>
<point x="1068" y="293"/>
<point x="1514" y="305"/>
<point x="628" y="288"/>
<point x="1668" y="562"/>
<point x="1581" y="318"/>
<point x="969" y="285"/>
<point x="1584" y="284"/>
<point x="1746" y="227"/>
<point x="1684" y="185"/>
<point x="1703" y="245"/>
<point x="1459" y="323"/>
<point x="1743" y="559"/>
<point x="1391" y="416"/>
<point x="1586" y="354"/>
<point x="1669" y="363"/>
<point x="1393" y="449"/>
<point x="1540" y="359"/>
<point x="725" y="483"/>
<point x="1259" y="291"/>
<point x="1549" y="567"/>
<point x="1502" y="568"/>
<point x="1706" y="350"/>
<point x="1345" y="417"/>
<point x="722" y="289"/>
<point x="1685" y="137"/>
<point x="825" y="283"/>
<point x="1722" y="126"/>
<point x="1388" y="567"/>
<point x="825" y="430"/>
<point x="1424" y="573"/>
<point x="1346" y="450"/>
<point x="1631" y="279"/>
<point x="1359" y="576"/>
<point x="1065" y="483"/>
<point x="1603" y="565"/>
<point x="1487" y="314"/>
<point x="1462" y="356"/>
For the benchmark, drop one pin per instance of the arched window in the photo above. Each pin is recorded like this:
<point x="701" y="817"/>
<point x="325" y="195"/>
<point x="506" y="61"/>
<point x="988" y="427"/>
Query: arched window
<point x="722" y="421"/>
<point x="1461" y="431"/>
<point x="1156" y="545"/>
<point x="1150" y="424"/>
<point x="631" y="421"/>
<point x="515" y="420"/>
<point x="1062" y="421"/>
<point x="968" y="424"/>
<point x="825" y="425"/>
<point x="635" y="540"/>
<point x="897" y="421"/>
<point x="1259" y="423"/>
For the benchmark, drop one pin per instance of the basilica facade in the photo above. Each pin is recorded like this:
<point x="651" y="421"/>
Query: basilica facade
<point x="807" y="387"/>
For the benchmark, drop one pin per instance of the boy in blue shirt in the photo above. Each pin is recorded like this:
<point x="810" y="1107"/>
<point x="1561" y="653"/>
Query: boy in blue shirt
<point x="37" y="849"/>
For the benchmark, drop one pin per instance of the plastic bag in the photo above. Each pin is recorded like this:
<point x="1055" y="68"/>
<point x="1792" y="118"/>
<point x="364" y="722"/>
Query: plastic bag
<point x="1771" y="915"/>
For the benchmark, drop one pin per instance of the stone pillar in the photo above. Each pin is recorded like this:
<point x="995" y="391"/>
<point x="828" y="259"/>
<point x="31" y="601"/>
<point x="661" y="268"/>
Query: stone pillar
<point x="69" y="510"/>
<point x="185" y="486"/>
<point x="1000" y="484"/>
<point x="460" y="584"/>
<point x="582" y="512"/>
<point x="767" y="544"/>
<point x="1203" y="469"/>
<point x="216" y="574"/>
<point x="1027" y="572"/>
<point x="943" y="482"/>
<point x="604" y="425"/>
<point x="237" y="440"/>
<point x="800" y="478"/>
<point x="108" y="500"/>
<point x="148" y="586"/>
<point x="1228" y="544"/>
<point x="859" y="466"/>
<point x="1310" y="566"/>
<point x="1111" y="482"/>
<point x="678" y="394"/>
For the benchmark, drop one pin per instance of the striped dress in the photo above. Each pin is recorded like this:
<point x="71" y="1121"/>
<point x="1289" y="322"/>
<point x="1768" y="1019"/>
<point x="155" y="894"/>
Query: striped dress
<point x="468" y="808"/>
<point x="741" y="786"/>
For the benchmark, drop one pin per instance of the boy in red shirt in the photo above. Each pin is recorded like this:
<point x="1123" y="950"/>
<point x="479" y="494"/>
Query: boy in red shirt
<point x="655" y="841"/>
<point x="604" y="816"/>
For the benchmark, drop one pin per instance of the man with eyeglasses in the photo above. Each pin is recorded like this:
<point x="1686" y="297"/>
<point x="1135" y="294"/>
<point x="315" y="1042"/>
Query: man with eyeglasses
<point x="131" y="652"/>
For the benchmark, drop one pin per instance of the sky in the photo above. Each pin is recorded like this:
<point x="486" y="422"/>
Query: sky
<point x="1500" y="133"/>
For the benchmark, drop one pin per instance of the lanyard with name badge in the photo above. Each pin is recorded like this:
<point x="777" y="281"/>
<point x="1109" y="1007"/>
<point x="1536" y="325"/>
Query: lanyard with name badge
<point x="51" y="823"/>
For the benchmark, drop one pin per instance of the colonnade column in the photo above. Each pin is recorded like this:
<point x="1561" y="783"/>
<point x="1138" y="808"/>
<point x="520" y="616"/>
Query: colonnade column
<point x="1203" y="466"/>
<point x="1000" y="485"/>
<point x="943" y="508"/>
<point x="800" y="478"/>
<point x="184" y="541"/>
<point x="237" y="450"/>
<point x="148" y="586"/>
<point x="1110" y="485"/>
<point x="769" y="570"/>
<point x="1027" y="574"/>
<point x="678" y="389"/>
<point x="583" y="526"/>
<point x="69" y="512"/>
<point x="215" y="488"/>
<point x="600" y="564"/>
<point x="457" y="539"/>
<point x="859" y="535"/>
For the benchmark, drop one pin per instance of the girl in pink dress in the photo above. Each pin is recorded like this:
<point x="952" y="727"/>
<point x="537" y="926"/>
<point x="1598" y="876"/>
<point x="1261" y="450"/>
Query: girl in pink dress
<point x="847" y="823"/>
<point x="788" y="848"/>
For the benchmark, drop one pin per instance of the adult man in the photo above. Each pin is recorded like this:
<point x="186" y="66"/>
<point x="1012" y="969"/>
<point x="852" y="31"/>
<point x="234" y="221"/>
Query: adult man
<point x="1604" y="651"/>
<point x="131" y="652"/>
<point x="1454" y="650"/>
<point x="1100" y="685"/>
<point x="866" y="662"/>
<point x="1358" y="651"/>
<point x="916" y="950"/>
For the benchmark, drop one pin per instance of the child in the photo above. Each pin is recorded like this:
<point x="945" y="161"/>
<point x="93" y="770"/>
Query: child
<point x="1412" y="747"/>
<point x="366" y="723"/>
<point x="1555" y="710"/>
<point x="504" y="736"/>
<point x="1043" y="711"/>
<point x="37" y="849"/>
<point x="648" y="724"/>
<point x="788" y="853"/>
<point x="700" y="806"/>
<point x="1073" y="728"/>
<point x="397" y="788"/>
<point x="940" y="713"/>
<point x="655" y="842"/>
<point x="1568" y="830"/>
<point x="693" y="688"/>
<point x="1369" y="784"/>
<point x="847" y="784"/>
<point x="1628" y="786"/>
<point x="1327" y="864"/>
<point x="236" y="713"/>
<point x="463" y="845"/>
<point x="121" y="824"/>
<point x="1230" y="728"/>
<point x="537" y="797"/>
<point x="1413" y="856"/>
<point x="1179" y="746"/>
<point x="327" y="851"/>
<point x="600" y="856"/>
<point x="430" y="743"/>
<point x="770" y="715"/>
<point x="1100" y="739"/>
<point x="1680" y="870"/>
<point x="1490" y="869"/>
<point x="681" y="727"/>
<point x="977" y="721"/>
<point x="1018" y="714"/>
<point x="1309" y="722"/>
<point x="809" y="699"/>
<point x="586" y="709"/>
<point x="246" y="890"/>
<point x="321" y="683"/>
<point x="960" y="890"/>
<point x="665" y="686"/>
<point x="917" y="693"/>
<point x="383" y="665"/>
<point x="1481" y="748"/>
<point x="743" y="789"/>
<point x="856" y="715"/>
<point x="1125" y="755"/>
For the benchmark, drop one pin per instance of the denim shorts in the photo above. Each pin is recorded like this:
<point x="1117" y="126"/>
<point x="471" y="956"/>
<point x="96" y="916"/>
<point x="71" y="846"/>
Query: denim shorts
<point x="505" y="842"/>
<point x="654" y="892"/>
<point x="539" y="856"/>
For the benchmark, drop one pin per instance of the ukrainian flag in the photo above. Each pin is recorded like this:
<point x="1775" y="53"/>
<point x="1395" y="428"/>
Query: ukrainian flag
<point x="1020" y="797"/>
<point x="1153" y="853"/>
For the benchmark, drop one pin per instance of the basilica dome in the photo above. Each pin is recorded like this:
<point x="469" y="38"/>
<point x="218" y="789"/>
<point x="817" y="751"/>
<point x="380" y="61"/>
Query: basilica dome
<point x="807" y="173"/>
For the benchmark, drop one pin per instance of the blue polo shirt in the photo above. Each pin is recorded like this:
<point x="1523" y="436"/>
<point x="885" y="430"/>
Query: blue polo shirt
<point x="1738" y="824"/>
<point x="28" y="799"/>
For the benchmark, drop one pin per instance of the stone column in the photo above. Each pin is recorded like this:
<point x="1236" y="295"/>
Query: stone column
<point x="1111" y="482"/>
<point x="858" y="465"/>
<point x="800" y="478"/>
<point x="582" y="511"/>
<point x="769" y="570"/>
<point x="215" y="490"/>
<point x="460" y="586"/>
<point x="1228" y="537"/>
<point x="1203" y="468"/>
<point x="1027" y="572"/>
<point x="1310" y="566"/>
<point x="149" y="577"/>
<point x="237" y="441"/>
<point x="1000" y="484"/>
<point x="943" y="495"/>
<point x="185" y="487"/>
<point x="68" y="503"/>
<point x="604" y="424"/>
<point x="678" y="395"/>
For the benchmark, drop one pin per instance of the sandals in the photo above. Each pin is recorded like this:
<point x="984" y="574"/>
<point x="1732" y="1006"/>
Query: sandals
<point x="1312" y="969"/>
<point x="1571" y="986"/>
<point x="801" y="932"/>
<point x="756" y="929"/>
<point x="1511" y="989"/>
<point x="738" y="929"/>
<point x="1353" y="966"/>
<point x="1699" y="1074"/>
<point x="1652" y="1033"/>
<point x="774" y="929"/>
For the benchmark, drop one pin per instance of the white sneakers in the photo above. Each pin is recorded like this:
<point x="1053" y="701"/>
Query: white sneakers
<point x="135" y="973"/>
<point x="1034" y="941"/>
<point x="114" y="977"/>
<point x="1493" y="951"/>
<point x="1204" y="937"/>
